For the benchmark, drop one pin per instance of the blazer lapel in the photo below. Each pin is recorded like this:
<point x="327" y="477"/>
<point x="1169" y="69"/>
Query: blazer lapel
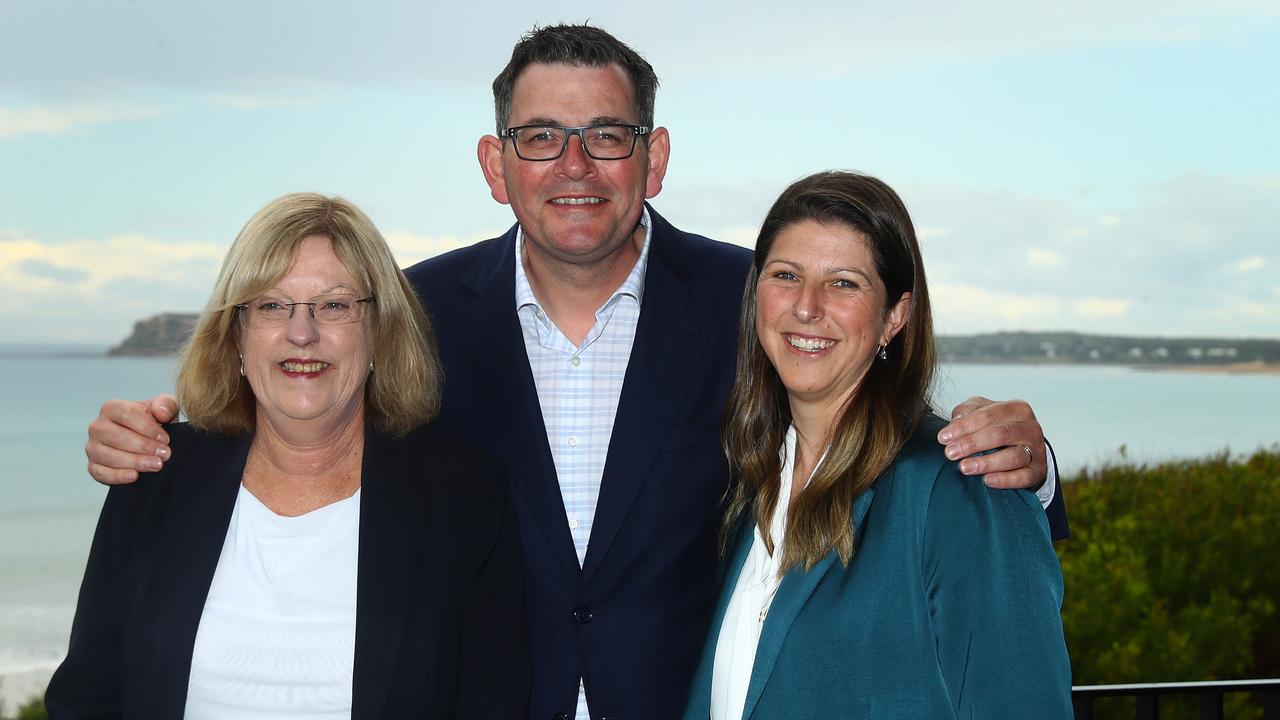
<point x="499" y="369"/>
<point x="669" y="336"/>
<point x="388" y="557"/>
<point x="195" y="531"/>
<point x="793" y="593"/>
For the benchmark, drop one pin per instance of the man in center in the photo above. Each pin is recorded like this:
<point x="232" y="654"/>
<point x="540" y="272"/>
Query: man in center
<point x="592" y="348"/>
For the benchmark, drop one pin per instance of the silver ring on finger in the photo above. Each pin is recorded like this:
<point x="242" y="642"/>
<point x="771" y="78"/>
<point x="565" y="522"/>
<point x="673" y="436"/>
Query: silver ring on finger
<point x="1030" y="455"/>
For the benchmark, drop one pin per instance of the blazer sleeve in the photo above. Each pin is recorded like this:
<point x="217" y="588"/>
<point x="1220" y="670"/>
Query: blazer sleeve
<point x="88" y="682"/>
<point x="994" y="590"/>
<point x="494" y="675"/>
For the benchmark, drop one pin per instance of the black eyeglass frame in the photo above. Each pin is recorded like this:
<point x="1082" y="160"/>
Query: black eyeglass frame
<point x="637" y="131"/>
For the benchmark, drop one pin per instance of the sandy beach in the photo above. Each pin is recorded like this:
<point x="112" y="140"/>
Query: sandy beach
<point x="1244" y="368"/>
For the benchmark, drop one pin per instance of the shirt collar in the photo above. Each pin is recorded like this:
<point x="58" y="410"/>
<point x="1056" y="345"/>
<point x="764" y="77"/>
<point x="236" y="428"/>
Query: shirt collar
<point x="633" y="285"/>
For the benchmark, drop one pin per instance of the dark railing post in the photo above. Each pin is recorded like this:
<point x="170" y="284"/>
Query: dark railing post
<point x="1083" y="707"/>
<point x="1270" y="703"/>
<point x="1148" y="707"/>
<point x="1211" y="706"/>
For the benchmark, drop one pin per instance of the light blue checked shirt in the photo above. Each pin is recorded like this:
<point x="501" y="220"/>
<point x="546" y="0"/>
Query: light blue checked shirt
<point x="578" y="389"/>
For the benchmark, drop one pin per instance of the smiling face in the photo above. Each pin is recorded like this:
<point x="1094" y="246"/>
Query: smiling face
<point x="302" y="371"/>
<point x="574" y="209"/>
<point x="820" y="312"/>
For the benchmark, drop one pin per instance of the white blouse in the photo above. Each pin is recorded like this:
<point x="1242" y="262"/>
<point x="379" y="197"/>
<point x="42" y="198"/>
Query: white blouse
<point x="749" y="605"/>
<point x="277" y="636"/>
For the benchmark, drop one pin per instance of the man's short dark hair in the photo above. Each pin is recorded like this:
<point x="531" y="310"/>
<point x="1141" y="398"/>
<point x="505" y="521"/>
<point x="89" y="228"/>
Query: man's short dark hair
<point x="575" y="45"/>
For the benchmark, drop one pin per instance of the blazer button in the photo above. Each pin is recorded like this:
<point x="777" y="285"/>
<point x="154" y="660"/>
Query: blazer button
<point x="560" y="716"/>
<point x="583" y="615"/>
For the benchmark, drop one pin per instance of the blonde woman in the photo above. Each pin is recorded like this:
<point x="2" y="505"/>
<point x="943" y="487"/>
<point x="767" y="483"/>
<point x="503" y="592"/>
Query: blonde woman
<point x="312" y="550"/>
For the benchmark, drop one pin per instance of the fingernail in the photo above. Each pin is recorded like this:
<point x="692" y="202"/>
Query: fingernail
<point x="163" y="437"/>
<point x="968" y="467"/>
<point x="952" y="453"/>
<point x="152" y="464"/>
<point x="945" y="436"/>
<point x="163" y="452"/>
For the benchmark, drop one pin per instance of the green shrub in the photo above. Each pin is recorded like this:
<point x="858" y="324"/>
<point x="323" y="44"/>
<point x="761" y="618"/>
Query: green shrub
<point x="1171" y="574"/>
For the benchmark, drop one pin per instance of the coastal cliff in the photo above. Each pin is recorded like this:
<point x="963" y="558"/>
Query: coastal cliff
<point x="161" y="334"/>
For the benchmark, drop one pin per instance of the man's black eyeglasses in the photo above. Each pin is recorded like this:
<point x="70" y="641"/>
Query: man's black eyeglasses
<point x="601" y="142"/>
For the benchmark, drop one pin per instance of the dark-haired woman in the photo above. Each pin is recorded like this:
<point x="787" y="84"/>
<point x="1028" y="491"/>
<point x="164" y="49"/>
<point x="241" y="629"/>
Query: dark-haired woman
<point x="866" y="576"/>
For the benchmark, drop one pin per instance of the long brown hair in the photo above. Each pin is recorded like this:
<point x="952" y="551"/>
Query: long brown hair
<point x="878" y="418"/>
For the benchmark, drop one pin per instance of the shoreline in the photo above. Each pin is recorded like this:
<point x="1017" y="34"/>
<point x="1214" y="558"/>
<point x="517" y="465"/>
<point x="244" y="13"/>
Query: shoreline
<point x="1255" y="367"/>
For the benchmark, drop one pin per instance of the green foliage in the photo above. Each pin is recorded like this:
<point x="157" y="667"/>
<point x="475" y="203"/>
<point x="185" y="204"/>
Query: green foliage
<point x="1171" y="573"/>
<point x="33" y="709"/>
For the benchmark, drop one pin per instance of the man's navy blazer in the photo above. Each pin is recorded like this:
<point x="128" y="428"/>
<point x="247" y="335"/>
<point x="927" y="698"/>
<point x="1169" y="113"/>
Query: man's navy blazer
<point x="631" y="621"/>
<point x="439" y="617"/>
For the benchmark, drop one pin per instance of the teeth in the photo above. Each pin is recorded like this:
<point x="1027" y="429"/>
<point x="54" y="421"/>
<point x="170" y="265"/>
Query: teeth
<point x="578" y="201"/>
<point x="307" y="367"/>
<point x="809" y="344"/>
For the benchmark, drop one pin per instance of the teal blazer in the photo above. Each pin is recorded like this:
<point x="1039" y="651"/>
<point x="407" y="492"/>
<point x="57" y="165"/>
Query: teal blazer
<point x="950" y="608"/>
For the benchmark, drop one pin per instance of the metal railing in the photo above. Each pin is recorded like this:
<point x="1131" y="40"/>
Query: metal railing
<point x="1208" y="695"/>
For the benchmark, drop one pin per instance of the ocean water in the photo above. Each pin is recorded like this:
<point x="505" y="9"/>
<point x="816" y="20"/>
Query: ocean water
<point x="49" y="505"/>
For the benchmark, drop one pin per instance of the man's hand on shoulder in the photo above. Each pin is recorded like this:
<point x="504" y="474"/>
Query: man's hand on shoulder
<point x="1010" y="435"/>
<point x="127" y="438"/>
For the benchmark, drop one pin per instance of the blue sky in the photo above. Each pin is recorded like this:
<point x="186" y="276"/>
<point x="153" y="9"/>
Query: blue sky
<point x="1072" y="166"/>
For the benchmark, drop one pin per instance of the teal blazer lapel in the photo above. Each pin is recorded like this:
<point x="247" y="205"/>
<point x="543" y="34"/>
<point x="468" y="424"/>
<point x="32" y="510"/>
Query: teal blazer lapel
<point x="793" y="593"/>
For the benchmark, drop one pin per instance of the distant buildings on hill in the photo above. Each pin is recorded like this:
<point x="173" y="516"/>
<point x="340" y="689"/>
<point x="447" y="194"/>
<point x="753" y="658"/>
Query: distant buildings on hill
<point x="164" y="334"/>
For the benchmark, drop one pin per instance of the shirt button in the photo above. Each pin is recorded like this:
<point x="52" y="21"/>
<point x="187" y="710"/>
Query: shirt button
<point x="573" y="523"/>
<point x="573" y="441"/>
<point x="583" y="615"/>
<point x="576" y="361"/>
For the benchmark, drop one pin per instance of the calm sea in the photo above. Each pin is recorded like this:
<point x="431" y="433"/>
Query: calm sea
<point x="48" y="504"/>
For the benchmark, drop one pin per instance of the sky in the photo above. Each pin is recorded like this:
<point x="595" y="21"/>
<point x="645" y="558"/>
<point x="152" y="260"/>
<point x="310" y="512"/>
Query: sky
<point x="1092" y="166"/>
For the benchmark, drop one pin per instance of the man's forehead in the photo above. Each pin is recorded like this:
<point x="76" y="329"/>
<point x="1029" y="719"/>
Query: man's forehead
<point x="594" y="93"/>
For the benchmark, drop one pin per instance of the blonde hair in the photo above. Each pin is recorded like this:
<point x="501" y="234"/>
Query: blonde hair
<point x="403" y="393"/>
<point x="876" y="421"/>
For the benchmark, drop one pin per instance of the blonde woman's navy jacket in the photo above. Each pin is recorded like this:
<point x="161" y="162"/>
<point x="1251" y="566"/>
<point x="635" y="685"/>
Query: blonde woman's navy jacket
<point x="949" y="609"/>
<point x="439" y="611"/>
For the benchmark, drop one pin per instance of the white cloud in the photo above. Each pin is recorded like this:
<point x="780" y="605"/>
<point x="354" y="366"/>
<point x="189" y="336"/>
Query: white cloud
<point x="187" y="43"/>
<point x="1101" y="308"/>
<point x="1249" y="264"/>
<point x="60" y="120"/>
<point x="410" y="248"/>
<point x="963" y="308"/>
<point x="740" y="235"/>
<point x="925" y="233"/>
<point x="95" y="289"/>
<point x="258" y="102"/>
<point x="1042" y="258"/>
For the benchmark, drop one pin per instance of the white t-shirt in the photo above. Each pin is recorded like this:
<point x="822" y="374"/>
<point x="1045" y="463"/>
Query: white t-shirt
<point x="277" y="635"/>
